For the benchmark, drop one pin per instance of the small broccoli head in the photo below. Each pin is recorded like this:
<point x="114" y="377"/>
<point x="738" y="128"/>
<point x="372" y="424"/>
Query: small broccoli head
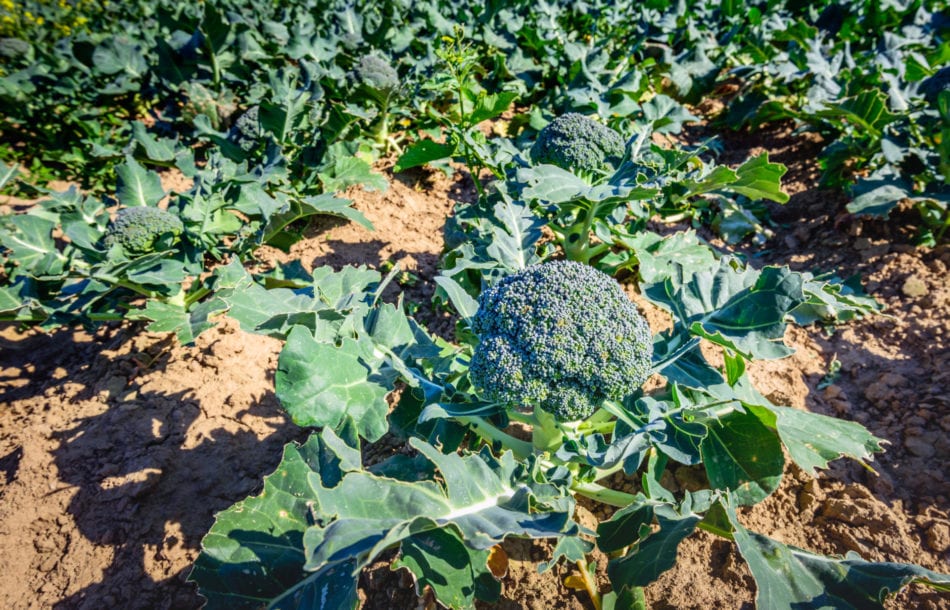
<point x="141" y="229"/>
<point x="247" y="132"/>
<point x="578" y="143"/>
<point x="376" y="76"/>
<point x="560" y="335"/>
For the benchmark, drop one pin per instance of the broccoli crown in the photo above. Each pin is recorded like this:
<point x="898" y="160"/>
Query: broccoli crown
<point x="377" y="75"/>
<point x="575" y="142"/>
<point x="561" y="335"/>
<point x="247" y="132"/>
<point x="139" y="229"/>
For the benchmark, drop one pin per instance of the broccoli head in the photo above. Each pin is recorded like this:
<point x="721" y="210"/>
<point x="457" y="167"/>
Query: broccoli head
<point x="377" y="76"/>
<point x="560" y="335"/>
<point x="141" y="229"/>
<point x="247" y="132"/>
<point x="578" y="143"/>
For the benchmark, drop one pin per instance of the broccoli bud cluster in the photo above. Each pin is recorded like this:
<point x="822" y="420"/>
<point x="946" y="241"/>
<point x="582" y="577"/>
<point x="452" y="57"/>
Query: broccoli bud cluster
<point x="560" y="335"/>
<point x="577" y="143"/>
<point x="377" y="76"/>
<point x="139" y="230"/>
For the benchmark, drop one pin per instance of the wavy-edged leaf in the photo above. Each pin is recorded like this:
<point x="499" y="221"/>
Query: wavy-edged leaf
<point x="743" y="456"/>
<point x="790" y="578"/>
<point x="327" y="385"/>
<point x="137" y="186"/>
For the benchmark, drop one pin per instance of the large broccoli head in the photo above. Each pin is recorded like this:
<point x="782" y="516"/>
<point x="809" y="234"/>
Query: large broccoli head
<point x="578" y="143"/>
<point x="560" y="335"/>
<point x="141" y="229"/>
<point x="376" y="76"/>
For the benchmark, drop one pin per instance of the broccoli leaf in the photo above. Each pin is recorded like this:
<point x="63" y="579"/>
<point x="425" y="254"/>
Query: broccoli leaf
<point x="788" y="577"/>
<point x="321" y="384"/>
<point x="136" y="185"/>
<point x="744" y="456"/>
<point x="251" y="555"/>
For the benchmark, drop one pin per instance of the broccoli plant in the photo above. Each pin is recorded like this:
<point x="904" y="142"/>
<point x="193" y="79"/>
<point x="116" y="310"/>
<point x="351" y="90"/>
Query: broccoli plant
<point x="555" y="350"/>
<point x="76" y="259"/>
<point x="594" y="187"/>
<point x="378" y="81"/>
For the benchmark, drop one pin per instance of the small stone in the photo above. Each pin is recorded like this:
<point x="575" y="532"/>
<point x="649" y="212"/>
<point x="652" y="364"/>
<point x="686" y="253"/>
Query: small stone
<point x="938" y="537"/>
<point x="919" y="446"/>
<point x="914" y="287"/>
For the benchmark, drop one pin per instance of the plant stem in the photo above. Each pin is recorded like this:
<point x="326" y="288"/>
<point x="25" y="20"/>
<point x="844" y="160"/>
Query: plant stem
<point x="605" y="495"/>
<point x="489" y="432"/>
<point x="589" y="583"/>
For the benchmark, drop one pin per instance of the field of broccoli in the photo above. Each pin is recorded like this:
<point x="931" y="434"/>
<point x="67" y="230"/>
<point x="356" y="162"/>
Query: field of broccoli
<point x="325" y="304"/>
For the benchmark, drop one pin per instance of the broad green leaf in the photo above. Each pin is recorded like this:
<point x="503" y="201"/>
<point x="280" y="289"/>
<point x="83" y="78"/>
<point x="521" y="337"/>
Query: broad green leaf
<point x="321" y="384"/>
<point x="170" y="318"/>
<point x="30" y="241"/>
<point x="422" y="152"/>
<point x="866" y="111"/>
<point x="515" y="246"/>
<point x="136" y="186"/>
<point x="657" y="552"/>
<point x="254" y="551"/>
<point x="156" y="149"/>
<point x="739" y="308"/>
<point x="549" y="183"/>
<point x="320" y="502"/>
<point x="118" y="54"/>
<point x="877" y="197"/>
<point x="491" y="105"/>
<point x="298" y="209"/>
<point x="464" y="304"/>
<point x="7" y="174"/>
<point x="484" y="497"/>
<point x="832" y="301"/>
<point x="569" y="548"/>
<point x="457" y="574"/>
<point x="813" y="439"/>
<point x="744" y="456"/>
<point x="346" y="171"/>
<point x="789" y="578"/>
<point x="757" y="178"/>
<point x="655" y="254"/>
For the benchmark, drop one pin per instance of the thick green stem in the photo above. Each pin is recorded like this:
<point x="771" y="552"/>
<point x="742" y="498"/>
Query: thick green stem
<point x="604" y="495"/>
<point x="491" y="433"/>
<point x="546" y="435"/>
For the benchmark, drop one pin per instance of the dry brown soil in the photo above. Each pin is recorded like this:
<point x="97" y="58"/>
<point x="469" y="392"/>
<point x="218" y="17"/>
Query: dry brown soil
<point x="117" y="447"/>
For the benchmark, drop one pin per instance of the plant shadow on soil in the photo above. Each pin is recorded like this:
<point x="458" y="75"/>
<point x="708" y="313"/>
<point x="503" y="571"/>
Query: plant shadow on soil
<point x="153" y="488"/>
<point x="145" y="470"/>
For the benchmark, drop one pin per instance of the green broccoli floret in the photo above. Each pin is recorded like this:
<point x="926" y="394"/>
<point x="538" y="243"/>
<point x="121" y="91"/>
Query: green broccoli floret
<point x="141" y="229"/>
<point x="247" y="132"/>
<point x="577" y="143"/>
<point x="560" y="335"/>
<point x="377" y="77"/>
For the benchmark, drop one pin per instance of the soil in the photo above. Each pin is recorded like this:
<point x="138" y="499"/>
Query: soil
<point x="117" y="447"/>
